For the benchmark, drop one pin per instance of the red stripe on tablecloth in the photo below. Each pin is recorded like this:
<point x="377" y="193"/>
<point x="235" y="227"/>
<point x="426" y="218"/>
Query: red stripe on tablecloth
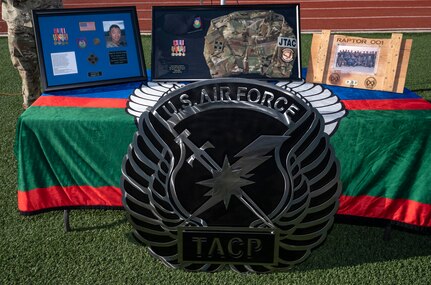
<point x="66" y="101"/>
<point x="400" y="210"/>
<point x="373" y="104"/>
<point x="70" y="196"/>
<point x="391" y="104"/>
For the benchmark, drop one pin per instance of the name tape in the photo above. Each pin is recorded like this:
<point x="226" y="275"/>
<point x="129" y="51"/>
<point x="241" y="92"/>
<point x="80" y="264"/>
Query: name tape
<point x="287" y="42"/>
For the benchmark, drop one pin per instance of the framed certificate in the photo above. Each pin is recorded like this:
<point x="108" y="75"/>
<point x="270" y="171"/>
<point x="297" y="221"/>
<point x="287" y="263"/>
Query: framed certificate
<point x="249" y="41"/>
<point x="88" y="47"/>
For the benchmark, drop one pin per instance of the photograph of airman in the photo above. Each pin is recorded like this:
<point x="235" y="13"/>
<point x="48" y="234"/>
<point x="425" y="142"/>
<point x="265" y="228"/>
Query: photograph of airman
<point x="115" y="36"/>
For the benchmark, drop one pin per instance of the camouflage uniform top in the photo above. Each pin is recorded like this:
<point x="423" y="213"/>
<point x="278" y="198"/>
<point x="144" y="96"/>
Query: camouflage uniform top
<point x="18" y="12"/>
<point x="21" y="42"/>
<point x="248" y="42"/>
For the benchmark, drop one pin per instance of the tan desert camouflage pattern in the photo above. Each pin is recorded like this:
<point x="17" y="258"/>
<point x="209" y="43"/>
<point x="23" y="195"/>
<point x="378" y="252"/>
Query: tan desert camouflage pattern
<point x="245" y="42"/>
<point x="22" y="46"/>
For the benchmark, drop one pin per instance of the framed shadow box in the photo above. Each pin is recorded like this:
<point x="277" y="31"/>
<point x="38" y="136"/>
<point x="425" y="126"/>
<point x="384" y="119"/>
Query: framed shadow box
<point x="250" y="41"/>
<point x="88" y="47"/>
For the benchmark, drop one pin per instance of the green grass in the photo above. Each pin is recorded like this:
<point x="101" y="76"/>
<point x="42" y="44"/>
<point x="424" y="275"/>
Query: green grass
<point x="100" y="249"/>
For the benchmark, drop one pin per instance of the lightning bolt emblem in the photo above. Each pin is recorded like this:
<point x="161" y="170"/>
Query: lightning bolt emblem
<point x="228" y="180"/>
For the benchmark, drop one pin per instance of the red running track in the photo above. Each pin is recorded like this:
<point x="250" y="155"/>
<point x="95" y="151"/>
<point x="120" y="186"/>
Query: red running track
<point x="344" y="16"/>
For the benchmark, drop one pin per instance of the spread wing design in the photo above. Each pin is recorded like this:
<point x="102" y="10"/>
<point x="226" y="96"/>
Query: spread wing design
<point x="145" y="181"/>
<point x="314" y="173"/>
<point x="144" y="173"/>
<point x="316" y="188"/>
<point x="147" y="95"/>
<point x="326" y="102"/>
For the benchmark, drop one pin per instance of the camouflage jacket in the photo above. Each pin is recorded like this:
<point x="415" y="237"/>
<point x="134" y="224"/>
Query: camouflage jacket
<point x="18" y="12"/>
<point x="250" y="42"/>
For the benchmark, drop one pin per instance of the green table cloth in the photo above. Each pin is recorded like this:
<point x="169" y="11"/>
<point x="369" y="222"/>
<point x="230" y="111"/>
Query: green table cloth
<point x="70" y="146"/>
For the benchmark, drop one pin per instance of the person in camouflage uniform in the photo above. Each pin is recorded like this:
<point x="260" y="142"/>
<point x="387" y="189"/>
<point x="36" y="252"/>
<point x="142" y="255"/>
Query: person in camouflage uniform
<point x="246" y="42"/>
<point x="22" y="46"/>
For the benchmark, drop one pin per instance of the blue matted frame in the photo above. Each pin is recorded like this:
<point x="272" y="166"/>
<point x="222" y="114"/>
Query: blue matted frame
<point x="76" y="48"/>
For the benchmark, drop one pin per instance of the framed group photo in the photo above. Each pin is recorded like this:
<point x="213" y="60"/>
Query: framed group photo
<point x="356" y="62"/>
<point x="88" y="47"/>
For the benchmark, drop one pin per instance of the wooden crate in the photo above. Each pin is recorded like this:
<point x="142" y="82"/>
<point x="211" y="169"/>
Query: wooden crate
<point x="377" y="64"/>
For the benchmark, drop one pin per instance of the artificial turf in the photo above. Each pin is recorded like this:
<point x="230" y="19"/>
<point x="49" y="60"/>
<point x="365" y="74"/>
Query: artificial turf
<point x="101" y="250"/>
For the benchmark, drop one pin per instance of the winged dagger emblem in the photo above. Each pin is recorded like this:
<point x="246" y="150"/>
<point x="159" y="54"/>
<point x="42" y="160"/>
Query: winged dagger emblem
<point x="170" y="161"/>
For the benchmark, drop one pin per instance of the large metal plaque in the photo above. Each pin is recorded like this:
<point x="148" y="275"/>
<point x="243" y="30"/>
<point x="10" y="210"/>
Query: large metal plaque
<point x="231" y="172"/>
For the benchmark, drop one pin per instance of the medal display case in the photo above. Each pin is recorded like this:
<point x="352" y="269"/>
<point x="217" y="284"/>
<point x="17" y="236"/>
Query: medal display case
<point x="88" y="47"/>
<point x="201" y="42"/>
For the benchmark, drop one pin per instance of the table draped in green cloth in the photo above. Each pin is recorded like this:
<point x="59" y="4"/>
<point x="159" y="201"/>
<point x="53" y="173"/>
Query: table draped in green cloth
<point x="70" y="146"/>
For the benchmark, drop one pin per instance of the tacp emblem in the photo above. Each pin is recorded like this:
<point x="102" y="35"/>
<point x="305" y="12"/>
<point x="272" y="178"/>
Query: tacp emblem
<point x="370" y="82"/>
<point x="334" y="78"/>
<point x="231" y="172"/>
<point x="287" y="55"/>
<point x="81" y="42"/>
<point x="197" y="23"/>
<point x="92" y="58"/>
<point x="218" y="46"/>
<point x="96" y="41"/>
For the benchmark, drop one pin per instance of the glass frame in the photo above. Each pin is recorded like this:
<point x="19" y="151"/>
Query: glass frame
<point x="201" y="71"/>
<point x="73" y="49"/>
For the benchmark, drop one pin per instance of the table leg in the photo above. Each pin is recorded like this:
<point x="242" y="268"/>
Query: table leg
<point x="387" y="233"/>
<point x="66" y="221"/>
